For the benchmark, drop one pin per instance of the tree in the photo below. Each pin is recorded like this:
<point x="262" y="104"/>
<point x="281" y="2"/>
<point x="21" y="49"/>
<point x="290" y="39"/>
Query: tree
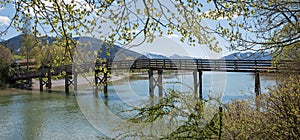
<point x="257" y="27"/>
<point x="6" y="59"/>
<point x="175" y="116"/>
<point x="260" y="24"/>
<point x="126" y="20"/>
<point x="28" y="43"/>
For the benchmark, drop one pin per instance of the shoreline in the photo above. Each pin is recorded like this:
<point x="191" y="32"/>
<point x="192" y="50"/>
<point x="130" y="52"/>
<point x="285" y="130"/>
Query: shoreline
<point x="81" y="81"/>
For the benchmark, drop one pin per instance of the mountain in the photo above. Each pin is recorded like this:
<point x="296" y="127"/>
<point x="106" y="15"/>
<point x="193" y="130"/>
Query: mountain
<point x="176" y="56"/>
<point x="13" y="44"/>
<point x="115" y="52"/>
<point x="249" y="56"/>
<point x="155" y="56"/>
<point x="160" y="56"/>
<point x="86" y="44"/>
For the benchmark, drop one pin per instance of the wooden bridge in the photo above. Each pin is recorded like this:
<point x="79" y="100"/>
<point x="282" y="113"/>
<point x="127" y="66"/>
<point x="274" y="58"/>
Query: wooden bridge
<point x="102" y="68"/>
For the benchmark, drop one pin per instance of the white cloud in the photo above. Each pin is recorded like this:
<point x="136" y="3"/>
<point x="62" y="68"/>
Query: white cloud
<point x="79" y="4"/>
<point x="4" y="20"/>
<point x="173" y="36"/>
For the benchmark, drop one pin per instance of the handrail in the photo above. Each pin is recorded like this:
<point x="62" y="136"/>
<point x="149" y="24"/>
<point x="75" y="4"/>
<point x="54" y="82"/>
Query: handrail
<point x="171" y="64"/>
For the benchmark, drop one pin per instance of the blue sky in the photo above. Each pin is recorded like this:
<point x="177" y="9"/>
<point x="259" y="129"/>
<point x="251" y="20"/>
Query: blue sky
<point x="166" y="45"/>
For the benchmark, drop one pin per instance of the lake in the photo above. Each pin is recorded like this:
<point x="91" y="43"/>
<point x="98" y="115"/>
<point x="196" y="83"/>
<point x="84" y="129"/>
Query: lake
<point x="35" y="115"/>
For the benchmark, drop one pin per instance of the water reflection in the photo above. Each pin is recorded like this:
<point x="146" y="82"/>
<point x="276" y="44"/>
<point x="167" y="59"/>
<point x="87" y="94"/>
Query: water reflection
<point x="31" y="115"/>
<point x="45" y="116"/>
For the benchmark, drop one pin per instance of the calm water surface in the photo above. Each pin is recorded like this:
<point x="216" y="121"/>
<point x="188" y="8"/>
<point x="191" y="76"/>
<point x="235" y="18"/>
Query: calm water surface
<point x="31" y="115"/>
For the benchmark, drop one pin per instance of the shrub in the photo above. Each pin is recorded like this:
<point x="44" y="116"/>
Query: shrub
<point x="277" y="118"/>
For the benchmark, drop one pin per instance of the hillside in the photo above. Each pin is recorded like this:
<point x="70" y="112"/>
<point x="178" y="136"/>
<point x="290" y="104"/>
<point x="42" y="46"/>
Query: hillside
<point x="119" y="53"/>
<point x="90" y="44"/>
<point x="249" y="56"/>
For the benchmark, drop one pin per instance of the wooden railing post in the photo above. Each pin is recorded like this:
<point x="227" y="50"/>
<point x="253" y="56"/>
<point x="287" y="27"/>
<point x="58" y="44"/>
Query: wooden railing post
<point x="255" y="63"/>
<point x="235" y="65"/>
<point x="201" y="63"/>
<point x="215" y="64"/>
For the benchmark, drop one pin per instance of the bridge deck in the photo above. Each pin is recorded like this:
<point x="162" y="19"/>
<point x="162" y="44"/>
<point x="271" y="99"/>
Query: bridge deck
<point x="196" y="64"/>
<point x="165" y="64"/>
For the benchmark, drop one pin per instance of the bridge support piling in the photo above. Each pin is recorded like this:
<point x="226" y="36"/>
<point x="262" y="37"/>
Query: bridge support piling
<point x="41" y="79"/>
<point x="75" y="75"/>
<point x="70" y="80"/>
<point x="195" y="84"/>
<point x="200" y="84"/>
<point x="151" y="83"/>
<point x="105" y="84"/>
<point x="257" y="90"/>
<point x="159" y="80"/>
<point x="257" y="84"/>
<point x="96" y="82"/>
<point x="101" y="81"/>
<point x="67" y="83"/>
<point x="49" y="83"/>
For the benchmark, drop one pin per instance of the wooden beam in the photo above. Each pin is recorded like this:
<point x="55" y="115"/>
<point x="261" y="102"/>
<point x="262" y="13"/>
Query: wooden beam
<point x="257" y="84"/>
<point x="159" y="80"/>
<point x="200" y="85"/>
<point x="195" y="84"/>
<point x="105" y="84"/>
<point x="151" y="81"/>
<point x="41" y="78"/>
<point x="67" y="80"/>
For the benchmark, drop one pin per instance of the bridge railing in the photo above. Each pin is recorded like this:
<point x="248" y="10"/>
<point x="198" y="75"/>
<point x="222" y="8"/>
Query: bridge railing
<point x="191" y="64"/>
<point x="168" y="64"/>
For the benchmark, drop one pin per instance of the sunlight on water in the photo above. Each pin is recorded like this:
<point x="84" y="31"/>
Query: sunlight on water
<point x="31" y="115"/>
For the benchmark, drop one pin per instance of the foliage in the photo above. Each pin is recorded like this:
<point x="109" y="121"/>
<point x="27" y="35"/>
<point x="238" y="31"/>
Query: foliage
<point x="283" y="108"/>
<point x="254" y="24"/>
<point x="258" y="24"/>
<point x="113" y="20"/>
<point x="287" y="59"/>
<point x="243" y="121"/>
<point x="28" y="42"/>
<point x="18" y="57"/>
<point x="6" y="59"/>
<point x="279" y="117"/>
<point x="184" y="115"/>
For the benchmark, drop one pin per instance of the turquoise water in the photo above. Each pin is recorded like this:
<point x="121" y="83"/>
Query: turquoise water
<point x="34" y="115"/>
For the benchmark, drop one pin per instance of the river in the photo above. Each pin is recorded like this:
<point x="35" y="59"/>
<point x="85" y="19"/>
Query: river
<point x="34" y="115"/>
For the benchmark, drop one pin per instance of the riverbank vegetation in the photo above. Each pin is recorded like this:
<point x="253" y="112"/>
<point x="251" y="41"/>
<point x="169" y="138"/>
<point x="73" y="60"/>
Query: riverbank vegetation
<point x="256" y="25"/>
<point x="271" y="115"/>
<point x="6" y="59"/>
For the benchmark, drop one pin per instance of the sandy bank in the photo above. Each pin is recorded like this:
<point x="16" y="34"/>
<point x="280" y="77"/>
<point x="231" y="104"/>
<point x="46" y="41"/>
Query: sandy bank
<point x="81" y="80"/>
